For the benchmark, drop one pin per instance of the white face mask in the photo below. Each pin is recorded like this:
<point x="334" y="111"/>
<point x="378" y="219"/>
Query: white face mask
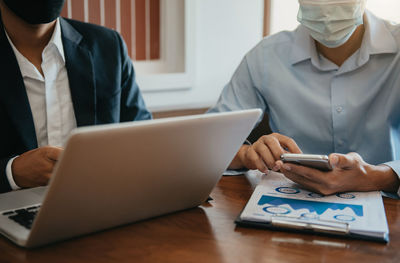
<point x="331" y="22"/>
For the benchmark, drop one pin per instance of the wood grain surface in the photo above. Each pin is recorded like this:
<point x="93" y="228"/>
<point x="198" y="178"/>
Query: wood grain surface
<point x="208" y="234"/>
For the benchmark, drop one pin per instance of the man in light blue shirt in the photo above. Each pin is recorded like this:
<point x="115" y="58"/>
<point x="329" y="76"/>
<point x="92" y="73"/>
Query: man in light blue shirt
<point x="325" y="97"/>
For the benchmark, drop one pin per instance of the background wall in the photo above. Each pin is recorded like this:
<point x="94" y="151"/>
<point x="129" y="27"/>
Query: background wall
<point x="224" y="31"/>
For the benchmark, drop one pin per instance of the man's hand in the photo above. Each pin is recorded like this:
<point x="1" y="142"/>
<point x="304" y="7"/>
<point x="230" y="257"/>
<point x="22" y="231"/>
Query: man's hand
<point x="350" y="173"/>
<point x="35" y="167"/>
<point x="263" y="154"/>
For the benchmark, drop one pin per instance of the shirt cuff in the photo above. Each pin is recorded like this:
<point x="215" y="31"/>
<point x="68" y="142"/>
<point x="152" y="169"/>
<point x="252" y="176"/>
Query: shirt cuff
<point x="395" y="165"/>
<point x="10" y="177"/>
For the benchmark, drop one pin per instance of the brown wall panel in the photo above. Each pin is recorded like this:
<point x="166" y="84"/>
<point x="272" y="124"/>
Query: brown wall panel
<point x="140" y="19"/>
<point x="78" y="10"/>
<point x="109" y="12"/>
<point x="127" y="28"/>
<point x="94" y="11"/>
<point x="154" y="29"/>
<point x="126" y="25"/>
<point x="64" y="11"/>
<point x="267" y="17"/>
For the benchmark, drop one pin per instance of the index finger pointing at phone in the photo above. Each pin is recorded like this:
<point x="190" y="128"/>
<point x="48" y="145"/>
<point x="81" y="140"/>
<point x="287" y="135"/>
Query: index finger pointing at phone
<point x="288" y="143"/>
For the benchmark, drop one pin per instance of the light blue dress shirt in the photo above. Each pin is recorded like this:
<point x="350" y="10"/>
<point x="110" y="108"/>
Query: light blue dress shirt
<point x="323" y="107"/>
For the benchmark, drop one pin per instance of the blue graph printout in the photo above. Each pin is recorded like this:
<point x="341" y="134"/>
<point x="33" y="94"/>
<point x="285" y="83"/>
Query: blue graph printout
<point x="312" y="206"/>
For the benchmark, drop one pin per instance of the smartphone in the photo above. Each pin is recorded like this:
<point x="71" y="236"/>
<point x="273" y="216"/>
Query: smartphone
<point x="316" y="161"/>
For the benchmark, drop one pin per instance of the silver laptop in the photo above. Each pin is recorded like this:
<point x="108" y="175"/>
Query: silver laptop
<point x="116" y="174"/>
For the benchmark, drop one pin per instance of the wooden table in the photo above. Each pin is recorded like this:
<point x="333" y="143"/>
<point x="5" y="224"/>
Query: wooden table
<point x="208" y="234"/>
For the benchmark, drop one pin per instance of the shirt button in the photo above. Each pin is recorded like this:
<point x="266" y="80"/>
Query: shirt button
<point x="339" y="109"/>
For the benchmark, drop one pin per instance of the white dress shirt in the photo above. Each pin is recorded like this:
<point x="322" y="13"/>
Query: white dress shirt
<point x="48" y="94"/>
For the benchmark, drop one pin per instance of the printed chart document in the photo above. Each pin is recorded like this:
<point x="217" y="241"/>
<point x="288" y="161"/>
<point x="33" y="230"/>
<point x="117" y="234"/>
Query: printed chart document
<point x="277" y="202"/>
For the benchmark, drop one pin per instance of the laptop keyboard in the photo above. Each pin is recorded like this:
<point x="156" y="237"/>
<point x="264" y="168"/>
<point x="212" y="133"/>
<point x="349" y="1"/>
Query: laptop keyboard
<point x="24" y="216"/>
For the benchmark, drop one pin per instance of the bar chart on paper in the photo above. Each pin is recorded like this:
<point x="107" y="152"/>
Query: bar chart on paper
<point x="310" y="209"/>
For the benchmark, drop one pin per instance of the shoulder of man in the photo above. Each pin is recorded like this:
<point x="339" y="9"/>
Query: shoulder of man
<point x="280" y="38"/>
<point x="276" y="45"/>
<point x="92" y="34"/>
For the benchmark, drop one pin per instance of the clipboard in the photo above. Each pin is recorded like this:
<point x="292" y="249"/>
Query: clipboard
<point x="279" y="204"/>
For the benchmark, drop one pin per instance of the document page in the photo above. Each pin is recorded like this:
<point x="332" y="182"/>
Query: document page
<point x="278" y="198"/>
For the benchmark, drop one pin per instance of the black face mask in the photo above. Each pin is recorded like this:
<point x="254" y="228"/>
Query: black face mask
<point x="36" y="11"/>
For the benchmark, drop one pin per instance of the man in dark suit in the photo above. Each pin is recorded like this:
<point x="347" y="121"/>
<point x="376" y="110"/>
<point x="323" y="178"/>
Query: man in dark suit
<point x="56" y="74"/>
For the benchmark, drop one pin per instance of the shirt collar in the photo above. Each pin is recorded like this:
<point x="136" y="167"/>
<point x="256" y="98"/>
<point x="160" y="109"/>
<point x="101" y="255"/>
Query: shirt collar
<point x="26" y="67"/>
<point x="305" y="49"/>
<point x="304" y="45"/>
<point x="55" y="39"/>
<point x="375" y="28"/>
<point x="378" y="39"/>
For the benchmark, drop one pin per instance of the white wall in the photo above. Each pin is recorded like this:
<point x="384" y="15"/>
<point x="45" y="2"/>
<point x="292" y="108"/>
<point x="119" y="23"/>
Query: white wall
<point x="224" y="31"/>
<point x="387" y="9"/>
<point x="284" y="12"/>
<point x="283" y="15"/>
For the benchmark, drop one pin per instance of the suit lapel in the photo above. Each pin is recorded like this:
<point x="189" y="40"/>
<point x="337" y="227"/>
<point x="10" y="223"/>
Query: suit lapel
<point x="13" y="93"/>
<point x="80" y="75"/>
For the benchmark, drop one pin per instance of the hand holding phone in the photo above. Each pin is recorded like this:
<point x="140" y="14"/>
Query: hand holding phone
<point x="316" y="161"/>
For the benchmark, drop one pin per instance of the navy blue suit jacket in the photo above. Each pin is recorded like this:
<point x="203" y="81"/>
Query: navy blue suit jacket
<point x="101" y="79"/>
